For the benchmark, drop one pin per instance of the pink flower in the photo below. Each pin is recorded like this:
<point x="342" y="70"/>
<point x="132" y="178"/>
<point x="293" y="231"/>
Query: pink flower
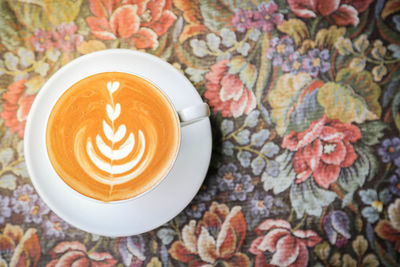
<point x="41" y="40"/>
<point x="266" y="17"/>
<point x="322" y="150"/>
<point x="289" y="247"/>
<point x="75" y="254"/>
<point x="66" y="37"/>
<point x="340" y="12"/>
<point x="243" y="20"/>
<point x="227" y="93"/>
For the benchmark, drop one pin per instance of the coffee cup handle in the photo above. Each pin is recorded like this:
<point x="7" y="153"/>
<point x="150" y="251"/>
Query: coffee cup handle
<point x="193" y="114"/>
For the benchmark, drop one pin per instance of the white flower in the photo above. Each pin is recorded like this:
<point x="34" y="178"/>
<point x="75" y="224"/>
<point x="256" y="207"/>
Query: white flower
<point x="26" y="56"/>
<point x="199" y="48"/>
<point x="228" y="37"/>
<point x="243" y="49"/>
<point x="213" y="42"/>
<point x="42" y="68"/>
<point x="196" y="75"/>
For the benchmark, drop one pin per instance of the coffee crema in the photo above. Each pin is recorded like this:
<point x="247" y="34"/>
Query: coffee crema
<point x="112" y="136"/>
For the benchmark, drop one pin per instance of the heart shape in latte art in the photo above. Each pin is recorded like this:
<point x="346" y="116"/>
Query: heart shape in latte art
<point x="112" y="136"/>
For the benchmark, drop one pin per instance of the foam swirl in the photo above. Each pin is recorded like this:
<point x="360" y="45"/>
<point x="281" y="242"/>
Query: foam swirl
<point x="109" y="153"/>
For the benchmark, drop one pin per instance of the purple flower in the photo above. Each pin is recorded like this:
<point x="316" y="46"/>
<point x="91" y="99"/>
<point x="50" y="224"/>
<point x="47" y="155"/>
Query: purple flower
<point x="226" y="177"/>
<point x="265" y="18"/>
<point x="5" y="210"/>
<point x="195" y="210"/>
<point x="394" y="181"/>
<point x="238" y="185"/>
<point x="316" y="61"/>
<point x="390" y="151"/>
<point x="132" y="250"/>
<point x="337" y="228"/>
<point x="280" y="50"/>
<point x="242" y="186"/>
<point x="293" y="64"/>
<point x="23" y="199"/>
<point x="260" y="206"/>
<point x="243" y="20"/>
<point x="208" y="189"/>
<point x="54" y="227"/>
<point x="27" y="203"/>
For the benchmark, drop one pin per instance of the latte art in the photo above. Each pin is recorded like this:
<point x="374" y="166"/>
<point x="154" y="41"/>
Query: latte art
<point x="121" y="140"/>
<point x="117" y="173"/>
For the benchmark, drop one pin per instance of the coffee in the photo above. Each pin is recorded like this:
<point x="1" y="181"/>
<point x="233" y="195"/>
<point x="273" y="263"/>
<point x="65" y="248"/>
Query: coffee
<point x="112" y="136"/>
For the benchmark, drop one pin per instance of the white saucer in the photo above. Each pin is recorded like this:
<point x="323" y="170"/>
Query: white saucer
<point x="150" y="210"/>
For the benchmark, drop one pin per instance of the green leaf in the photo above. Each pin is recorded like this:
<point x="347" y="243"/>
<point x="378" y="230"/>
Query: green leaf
<point x="395" y="104"/>
<point x="285" y="97"/>
<point x="353" y="98"/>
<point x="322" y="250"/>
<point x="8" y="181"/>
<point x="363" y="85"/>
<point x="166" y="235"/>
<point x="30" y="13"/>
<point x="189" y="59"/>
<point x="248" y="75"/>
<point x="342" y="103"/>
<point x="360" y="245"/>
<point x="391" y="7"/>
<point x="61" y="10"/>
<point x="236" y="64"/>
<point x="370" y="261"/>
<point x="308" y="111"/>
<point x="361" y="43"/>
<point x="385" y="258"/>
<point x="20" y="170"/>
<point x="285" y="177"/>
<point x="9" y="33"/>
<point x="217" y="14"/>
<point x="358" y="223"/>
<point x="353" y="177"/>
<point x="307" y="197"/>
<point x="335" y="260"/>
<point x="372" y="132"/>
<point x="348" y="261"/>
<point x="326" y="38"/>
<point x="6" y="156"/>
<point x="296" y="29"/>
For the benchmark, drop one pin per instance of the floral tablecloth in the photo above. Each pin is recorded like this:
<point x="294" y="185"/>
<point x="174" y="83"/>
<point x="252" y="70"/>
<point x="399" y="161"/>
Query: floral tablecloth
<point x="305" y="102"/>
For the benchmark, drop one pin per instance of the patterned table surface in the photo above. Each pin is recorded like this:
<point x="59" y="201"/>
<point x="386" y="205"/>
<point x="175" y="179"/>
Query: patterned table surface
<point x="305" y="105"/>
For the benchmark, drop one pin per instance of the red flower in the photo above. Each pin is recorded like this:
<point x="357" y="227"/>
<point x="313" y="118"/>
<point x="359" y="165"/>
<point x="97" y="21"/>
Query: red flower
<point x="340" y="12"/>
<point x="227" y="93"/>
<point x="16" y="108"/>
<point x="75" y="254"/>
<point x="322" y="150"/>
<point x="289" y="247"/>
<point x="216" y="238"/>
<point x="137" y="21"/>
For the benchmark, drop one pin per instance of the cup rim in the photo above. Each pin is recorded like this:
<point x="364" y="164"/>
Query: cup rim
<point x="170" y="166"/>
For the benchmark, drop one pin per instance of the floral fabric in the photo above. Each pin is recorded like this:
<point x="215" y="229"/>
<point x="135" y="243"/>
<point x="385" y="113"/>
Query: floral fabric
<point x="305" y="116"/>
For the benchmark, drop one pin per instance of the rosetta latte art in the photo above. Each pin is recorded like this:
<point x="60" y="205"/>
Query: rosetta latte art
<point x="112" y="136"/>
<point x="110" y="151"/>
